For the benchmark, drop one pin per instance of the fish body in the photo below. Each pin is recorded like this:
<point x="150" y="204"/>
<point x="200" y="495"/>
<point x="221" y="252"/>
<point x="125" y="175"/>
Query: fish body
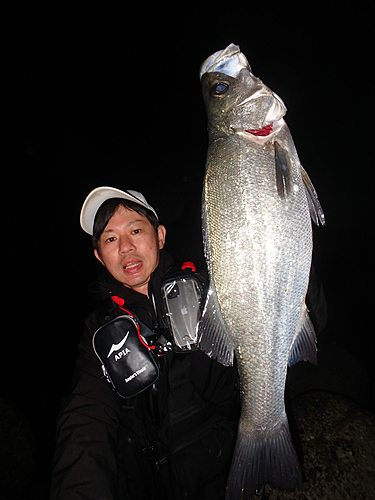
<point x="256" y="208"/>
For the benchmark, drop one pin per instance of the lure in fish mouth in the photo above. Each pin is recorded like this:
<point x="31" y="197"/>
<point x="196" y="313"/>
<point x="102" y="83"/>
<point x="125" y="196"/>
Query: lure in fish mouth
<point x="257" y="206"/>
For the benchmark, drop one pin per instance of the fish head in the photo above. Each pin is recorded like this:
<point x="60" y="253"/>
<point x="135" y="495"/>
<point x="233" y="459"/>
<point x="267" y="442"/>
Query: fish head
<point x="235" y="99"/>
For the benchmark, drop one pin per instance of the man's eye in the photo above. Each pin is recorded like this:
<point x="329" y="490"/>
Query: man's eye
<point x="136" y="231"/>
<point x="110" y="240"/>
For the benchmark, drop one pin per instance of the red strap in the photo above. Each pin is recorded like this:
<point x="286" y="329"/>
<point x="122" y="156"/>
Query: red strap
<point x="120" y="302"/>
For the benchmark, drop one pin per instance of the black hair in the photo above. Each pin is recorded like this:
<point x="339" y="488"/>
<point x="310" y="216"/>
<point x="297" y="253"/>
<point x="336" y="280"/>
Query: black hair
<point x="107" y="210"/>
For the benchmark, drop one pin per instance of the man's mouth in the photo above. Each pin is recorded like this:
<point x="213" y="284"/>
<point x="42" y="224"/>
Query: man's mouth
<point x="132" y="265"/>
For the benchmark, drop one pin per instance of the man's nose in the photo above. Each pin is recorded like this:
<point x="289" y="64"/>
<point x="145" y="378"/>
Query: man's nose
<point x="126" y="244"/>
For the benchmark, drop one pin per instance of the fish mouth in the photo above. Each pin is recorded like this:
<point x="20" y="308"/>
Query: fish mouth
<point x="229" y="61"/>
<point x="277" y="107"/>
<point x="255" y="95"/>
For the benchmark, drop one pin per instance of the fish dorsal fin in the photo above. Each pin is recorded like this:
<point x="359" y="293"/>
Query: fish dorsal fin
<point x="284" y="171"/>
<point x="304" y="345"/>
<point x="213" y="338"/>
<point x="315" y="207"/>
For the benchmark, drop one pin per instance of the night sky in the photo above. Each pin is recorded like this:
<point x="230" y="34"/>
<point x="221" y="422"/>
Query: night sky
<point x="111" y="96"/>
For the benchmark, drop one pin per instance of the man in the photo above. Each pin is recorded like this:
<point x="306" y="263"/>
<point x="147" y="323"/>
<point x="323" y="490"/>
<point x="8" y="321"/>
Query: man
<point x="175" y="439"/>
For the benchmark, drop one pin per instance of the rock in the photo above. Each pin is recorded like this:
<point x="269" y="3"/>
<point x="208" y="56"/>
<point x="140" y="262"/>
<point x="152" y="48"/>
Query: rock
<point x="337" y="439"/>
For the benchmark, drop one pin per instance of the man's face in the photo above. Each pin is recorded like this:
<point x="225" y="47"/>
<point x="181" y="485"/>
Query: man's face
<point x="129" y="248"/>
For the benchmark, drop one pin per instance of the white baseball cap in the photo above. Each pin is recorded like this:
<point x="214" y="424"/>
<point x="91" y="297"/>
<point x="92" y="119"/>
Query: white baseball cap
<point x="99" y="195"/>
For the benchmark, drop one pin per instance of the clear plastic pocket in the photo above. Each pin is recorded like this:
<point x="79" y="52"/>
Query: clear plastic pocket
<point x="182" y="298"/>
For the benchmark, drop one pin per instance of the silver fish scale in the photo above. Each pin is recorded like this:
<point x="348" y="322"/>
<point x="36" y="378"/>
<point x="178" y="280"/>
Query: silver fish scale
<point x="258" y="250"/>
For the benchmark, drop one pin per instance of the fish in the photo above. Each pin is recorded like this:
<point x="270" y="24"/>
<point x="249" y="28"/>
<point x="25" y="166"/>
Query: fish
<point x="257" y="207"/>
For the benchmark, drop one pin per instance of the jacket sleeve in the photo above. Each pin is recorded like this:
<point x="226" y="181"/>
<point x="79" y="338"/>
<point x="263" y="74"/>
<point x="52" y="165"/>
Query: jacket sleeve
<point x="85" y="459"/>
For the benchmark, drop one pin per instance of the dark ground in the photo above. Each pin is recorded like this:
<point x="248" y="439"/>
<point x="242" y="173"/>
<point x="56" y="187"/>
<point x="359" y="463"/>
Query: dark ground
<point x="107" y="96"/>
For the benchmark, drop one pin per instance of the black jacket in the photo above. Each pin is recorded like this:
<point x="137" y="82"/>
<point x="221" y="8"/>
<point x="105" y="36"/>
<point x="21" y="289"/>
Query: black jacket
<point x="173" y="441"/>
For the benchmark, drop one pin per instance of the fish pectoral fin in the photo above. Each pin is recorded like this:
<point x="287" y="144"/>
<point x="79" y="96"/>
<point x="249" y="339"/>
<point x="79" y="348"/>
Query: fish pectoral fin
<point x="315" y="207"/>
<point x="304" y="345"/>
<point x="284" y="171"/>
<point x="213" y="338"/>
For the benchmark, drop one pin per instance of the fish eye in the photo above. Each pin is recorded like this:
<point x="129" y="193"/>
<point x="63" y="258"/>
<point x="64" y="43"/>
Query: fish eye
<point x="219" y="89"/>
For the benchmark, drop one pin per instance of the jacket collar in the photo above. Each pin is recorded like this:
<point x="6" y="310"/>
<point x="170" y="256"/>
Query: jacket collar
<point x="135" y="301"/>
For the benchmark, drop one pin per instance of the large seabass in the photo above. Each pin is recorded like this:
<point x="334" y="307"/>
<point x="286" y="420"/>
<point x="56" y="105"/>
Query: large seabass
<point x="257" y="203"/>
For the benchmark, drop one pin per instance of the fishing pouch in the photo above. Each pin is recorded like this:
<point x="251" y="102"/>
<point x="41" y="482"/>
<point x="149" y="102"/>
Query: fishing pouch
<point x="127" y="361"/>
<point x="182" y="300"/>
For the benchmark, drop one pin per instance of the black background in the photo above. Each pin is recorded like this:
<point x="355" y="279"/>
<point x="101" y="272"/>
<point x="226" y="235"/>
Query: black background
<point x="97" y="95"/>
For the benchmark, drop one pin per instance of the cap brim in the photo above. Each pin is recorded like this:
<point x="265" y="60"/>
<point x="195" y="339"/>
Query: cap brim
<point x="98" y="196"/>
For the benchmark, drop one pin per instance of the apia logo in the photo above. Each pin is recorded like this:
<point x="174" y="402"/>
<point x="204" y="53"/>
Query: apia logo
<point x="117" y="347"/>
<point x="122" y="353"/>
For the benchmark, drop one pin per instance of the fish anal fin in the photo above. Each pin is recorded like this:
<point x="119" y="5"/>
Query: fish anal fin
<point x="316" y="211"/>
<point x="213" y="338"/>
<point x="259" y="459"/>
<point x="304" y="345"/>
<point x="284" y="171"/>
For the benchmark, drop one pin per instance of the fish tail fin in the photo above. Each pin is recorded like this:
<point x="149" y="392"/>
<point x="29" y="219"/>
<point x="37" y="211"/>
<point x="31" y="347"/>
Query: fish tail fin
<point x="258" y="460"/>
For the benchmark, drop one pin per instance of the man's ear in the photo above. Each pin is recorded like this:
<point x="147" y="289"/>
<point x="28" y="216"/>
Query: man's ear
<point x="96" y="253"/>
<point x="161" y="236"/>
